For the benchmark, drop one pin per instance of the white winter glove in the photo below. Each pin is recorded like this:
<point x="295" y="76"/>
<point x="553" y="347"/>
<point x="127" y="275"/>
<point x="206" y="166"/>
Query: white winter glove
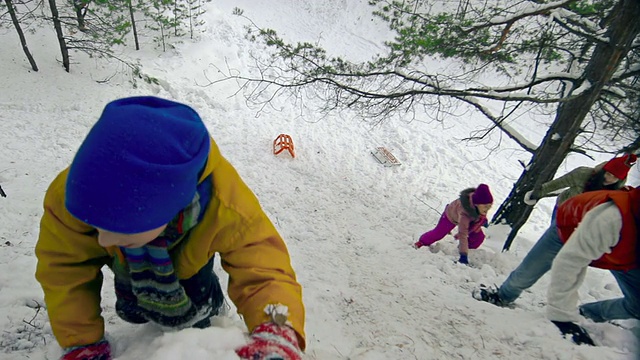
<point x="528" y="200"/>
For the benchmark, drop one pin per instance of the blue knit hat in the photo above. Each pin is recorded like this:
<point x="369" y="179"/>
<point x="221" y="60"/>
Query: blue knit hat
<point x="138" y="166"/>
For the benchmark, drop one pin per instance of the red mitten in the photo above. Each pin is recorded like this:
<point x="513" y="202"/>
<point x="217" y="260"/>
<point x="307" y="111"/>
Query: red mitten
<point x="271" y="342"/>
<point x="98" y="351"/>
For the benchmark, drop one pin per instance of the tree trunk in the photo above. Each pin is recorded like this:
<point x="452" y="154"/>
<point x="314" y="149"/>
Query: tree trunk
<point x="164" y="47"/>
<point x="58" y="26"/>
<point x="23" y="40"/>
<point x="81" y="11"/>
<point x="133" y="25"/>
<point x="175" y="17"/>
<point x="190" y="20"/>
<point x="557" y="142"/>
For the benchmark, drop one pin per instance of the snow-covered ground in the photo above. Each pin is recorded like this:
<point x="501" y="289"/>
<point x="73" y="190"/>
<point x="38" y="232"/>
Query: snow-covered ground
<point x="347" y="220"/>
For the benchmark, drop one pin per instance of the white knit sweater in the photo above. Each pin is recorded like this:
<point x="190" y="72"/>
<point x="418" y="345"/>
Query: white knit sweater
<point x="597" y="234"/>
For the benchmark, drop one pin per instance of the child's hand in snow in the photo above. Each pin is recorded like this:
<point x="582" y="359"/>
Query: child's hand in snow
<point x="270" y="341"/>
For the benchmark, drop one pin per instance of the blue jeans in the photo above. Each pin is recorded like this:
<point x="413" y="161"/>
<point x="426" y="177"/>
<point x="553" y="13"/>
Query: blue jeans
<point x="538" y="261"/>
<point x="626" y="307"/>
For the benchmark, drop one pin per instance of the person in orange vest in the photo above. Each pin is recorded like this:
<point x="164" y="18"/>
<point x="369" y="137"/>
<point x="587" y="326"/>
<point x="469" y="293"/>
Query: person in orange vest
<point x="599" y="229"/>
<point x="149" y="195"/>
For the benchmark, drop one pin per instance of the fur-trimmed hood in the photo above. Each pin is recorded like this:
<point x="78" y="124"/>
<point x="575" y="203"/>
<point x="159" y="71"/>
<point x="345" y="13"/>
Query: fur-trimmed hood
<point x="467" y="204"/>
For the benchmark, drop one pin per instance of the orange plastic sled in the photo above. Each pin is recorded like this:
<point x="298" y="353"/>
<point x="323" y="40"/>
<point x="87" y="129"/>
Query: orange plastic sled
<point x="282" y="142"/>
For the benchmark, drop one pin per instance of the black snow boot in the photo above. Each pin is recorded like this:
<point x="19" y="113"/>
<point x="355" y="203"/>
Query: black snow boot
<point x="488" y="294"/>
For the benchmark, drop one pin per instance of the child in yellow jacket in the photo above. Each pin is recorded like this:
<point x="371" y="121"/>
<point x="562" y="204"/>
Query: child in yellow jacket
<point x="149" y="195"/>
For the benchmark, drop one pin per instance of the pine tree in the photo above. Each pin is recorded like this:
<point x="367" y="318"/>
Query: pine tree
<point x="11" y="10"/>
<point x="195" y="10"/>
<point x="577" y="58"/>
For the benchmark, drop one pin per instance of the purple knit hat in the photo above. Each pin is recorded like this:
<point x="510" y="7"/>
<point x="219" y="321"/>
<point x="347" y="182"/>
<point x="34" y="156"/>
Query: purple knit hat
<point x="482" y="195"/>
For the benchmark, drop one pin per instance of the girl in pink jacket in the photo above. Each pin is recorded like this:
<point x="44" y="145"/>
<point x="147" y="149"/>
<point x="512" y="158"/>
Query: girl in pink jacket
<point x="469" y="213"/>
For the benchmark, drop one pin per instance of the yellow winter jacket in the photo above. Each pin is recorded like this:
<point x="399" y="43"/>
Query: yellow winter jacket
<point x="233" y="225"/>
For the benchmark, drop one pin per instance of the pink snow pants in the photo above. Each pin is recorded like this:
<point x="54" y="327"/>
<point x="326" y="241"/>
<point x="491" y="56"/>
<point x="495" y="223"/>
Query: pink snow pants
<point x="443" y="228"/>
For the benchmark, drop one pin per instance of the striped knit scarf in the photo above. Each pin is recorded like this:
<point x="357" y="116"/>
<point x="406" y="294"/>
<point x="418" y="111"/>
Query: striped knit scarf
<point x="150" y="272"/>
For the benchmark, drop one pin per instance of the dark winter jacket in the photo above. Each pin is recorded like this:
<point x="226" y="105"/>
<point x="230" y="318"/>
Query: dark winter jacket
<point x="574" y="182"/>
